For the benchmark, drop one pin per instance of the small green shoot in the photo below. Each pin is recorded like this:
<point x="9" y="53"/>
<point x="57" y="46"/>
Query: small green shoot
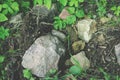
<point x="3" y="32"/>
<point x="116" y="10"/>
<point x="27" y="74"/>
<point x="2" y="58"/>
<point x="46" y="3"/>
<point x="59" y="24"/>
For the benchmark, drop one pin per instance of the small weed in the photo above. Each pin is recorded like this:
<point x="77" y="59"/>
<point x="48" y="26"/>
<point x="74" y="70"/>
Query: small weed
<point x="101" y="7"/>
<point x="3" y="32"/>
<point x="28" y="75"/>
<point x="116" y="10"/>
<point x="46" y="3"/>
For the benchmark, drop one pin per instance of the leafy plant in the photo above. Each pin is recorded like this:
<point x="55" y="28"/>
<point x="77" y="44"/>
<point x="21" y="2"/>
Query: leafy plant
<point x="52" y="72"/>
<point x="106" y="75"/>
<point x="3" y="17"/>
<point x="3" y="32"/>
<point x="46" y="3"/>
<point x="8" y="7"/>
<point x="75" y="2"/>
<point x="70" y="19"/>
<point x="59" y="24"/>
<point x="2" y="58"/>
<point x="116" y="10"/>
<point x="75" y="70"/>
<point x="101" y="7"/>
<point x="2" y="71"/>
<point x="27" y="74"/>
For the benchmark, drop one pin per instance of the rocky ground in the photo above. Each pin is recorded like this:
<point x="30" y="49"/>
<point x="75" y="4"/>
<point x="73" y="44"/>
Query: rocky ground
<point x="100" y="50"/>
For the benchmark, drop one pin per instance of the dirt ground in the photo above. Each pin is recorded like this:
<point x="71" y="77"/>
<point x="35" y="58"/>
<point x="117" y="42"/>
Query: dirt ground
<point x="100" y="50"/>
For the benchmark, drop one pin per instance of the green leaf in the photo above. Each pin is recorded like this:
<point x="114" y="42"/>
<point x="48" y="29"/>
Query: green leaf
<point x="70" y="19"/>
<point x="40" y="2"/>
<point x="52" y="71"/>
<point x="15" y="6"/>
<point x="71" y="10"/>
<point x="5" y="11"/>
<point x="2" y="58"/>
<point x="81" y="0"/>
<point x="3" y="32"/>
<point x="48" y="3"/>
<point x="0" y="7"/>
<point x="27" y="74"/>
<point x="5" y="6"/>
<point x="72" y="2"/>
<point x="63" y="2"/>
<point x="113" y="8"/>
<point x="76" y="3"/>
<point x="32" y="78"/>
<point x="25" y="4"/>
<point x="79" y="13"/>
<point x="10" y="10"/>
<point x="75" y="70"/>
<point x="3" y="17"/>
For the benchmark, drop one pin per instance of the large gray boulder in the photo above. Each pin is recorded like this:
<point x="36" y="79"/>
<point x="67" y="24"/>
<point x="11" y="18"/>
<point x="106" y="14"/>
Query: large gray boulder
<point x="43" y="54"/>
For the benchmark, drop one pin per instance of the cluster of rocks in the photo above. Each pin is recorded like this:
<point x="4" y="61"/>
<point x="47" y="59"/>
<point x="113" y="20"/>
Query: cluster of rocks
<point x="44" y="54"/>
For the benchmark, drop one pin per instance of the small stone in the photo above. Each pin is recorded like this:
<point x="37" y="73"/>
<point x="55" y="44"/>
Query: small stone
<point x="82" y="59"/>
<point x="78" y="45"/>
<point x="58" y="34"/>
<point x="86" y="28"/>
<point x="104" y="20"/>
<point x="117" y="52"/>
<point x="72" y="33"/>
<point x="101" y="39"/>
<point x="64" y="14"/>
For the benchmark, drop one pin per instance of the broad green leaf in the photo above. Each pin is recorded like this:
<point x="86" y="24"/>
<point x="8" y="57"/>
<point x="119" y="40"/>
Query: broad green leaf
<point x="81" y="0"/>
<point x="3" y="32"/>
<point x="2" y="58"/>
<point x="75" y="70"/>
<point x="79" y="13"/>
<point x="72" y="2"/>
<point x="3" y="17"/>
<point x="10" y="10"/>
<point x="63" y="2"/>
<point x="15" y="6"/>
<point x="27" y="74"/>
<point x="32" y="78"/>
<point x="0" y="7"/>
<point x="25" y="4"/>
<point x="48" y="3"/>
<point x="5" y="11"/>
<point x="70" y="19"/>
<point x="113" y="8"/>
<point x="40" y="2"/>
<point x="52" y="71"/>
<point x="5" y="6"/>
<point x="71" y="10"/>
<point x="76" y="3"/>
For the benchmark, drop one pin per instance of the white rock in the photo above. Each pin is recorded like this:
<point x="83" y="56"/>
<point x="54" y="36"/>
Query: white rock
<point x="117" y="52"/>
<point x="82" y="59"/>
<point x="86" y="28"/>
<point x="43" y="55"/>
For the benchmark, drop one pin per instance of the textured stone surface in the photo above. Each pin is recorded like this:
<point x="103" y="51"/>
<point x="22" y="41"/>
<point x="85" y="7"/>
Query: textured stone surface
<point x="43" y="55"/>
<point x="85" y="29"/>
<point x="64" y="14"/>
<point x="82" y="59"/>
<point x="117" y="52"/>
<point x="78" y="45"/>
